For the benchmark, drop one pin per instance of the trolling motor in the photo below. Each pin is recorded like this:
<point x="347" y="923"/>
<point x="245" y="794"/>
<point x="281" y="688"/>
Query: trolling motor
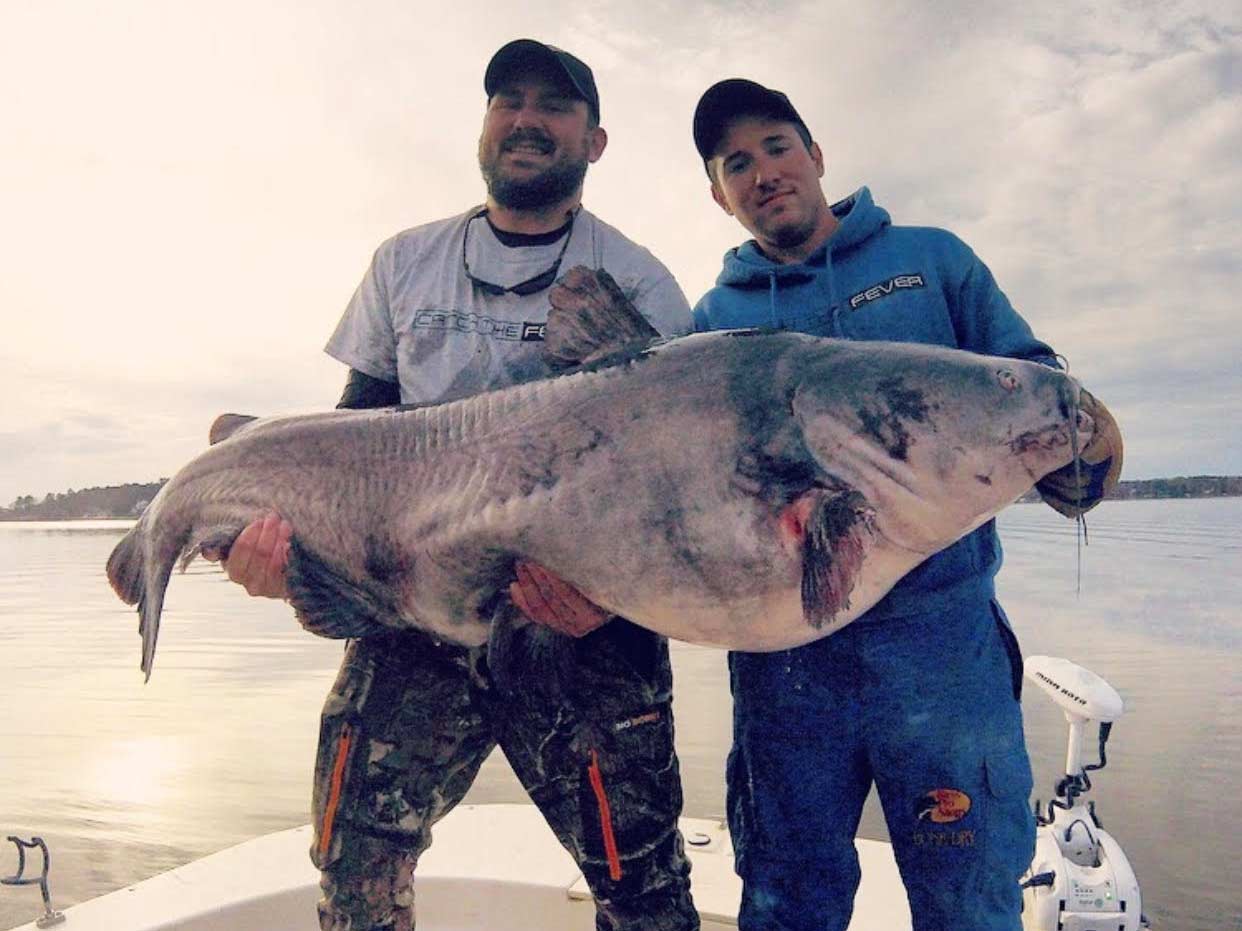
<point x="1079" y="878"/>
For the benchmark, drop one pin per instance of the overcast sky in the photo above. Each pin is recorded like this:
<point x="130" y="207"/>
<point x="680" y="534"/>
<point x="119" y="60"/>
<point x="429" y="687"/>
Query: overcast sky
<point x="190" y="192"/>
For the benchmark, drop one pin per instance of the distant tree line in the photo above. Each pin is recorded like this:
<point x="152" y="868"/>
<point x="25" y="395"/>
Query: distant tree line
<point x="129" y="500"/>
<point x="1192" y="486"/>
<point x="1183" y="486"/>
<point x="111" y="501"/>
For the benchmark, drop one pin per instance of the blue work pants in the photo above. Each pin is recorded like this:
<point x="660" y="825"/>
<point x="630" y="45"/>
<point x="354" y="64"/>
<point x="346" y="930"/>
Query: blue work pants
<point x="926" y="708"/>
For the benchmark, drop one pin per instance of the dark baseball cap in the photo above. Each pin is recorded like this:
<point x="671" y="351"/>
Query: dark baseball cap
<point x="735" y="97"/>
<point x="531" y="55"/>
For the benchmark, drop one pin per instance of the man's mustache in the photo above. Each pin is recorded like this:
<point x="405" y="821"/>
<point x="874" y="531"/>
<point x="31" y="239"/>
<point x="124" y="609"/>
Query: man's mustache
<point x="528" y="137"/>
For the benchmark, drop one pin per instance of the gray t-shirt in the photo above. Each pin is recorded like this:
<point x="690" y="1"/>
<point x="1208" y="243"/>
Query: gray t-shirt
<point x="416" y="318"/>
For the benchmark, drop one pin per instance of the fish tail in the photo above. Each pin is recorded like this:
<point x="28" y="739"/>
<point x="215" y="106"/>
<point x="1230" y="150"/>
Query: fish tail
<point x="149" y="609"/>
<point x="139" y="580"/>
<point x="126" y="567"/>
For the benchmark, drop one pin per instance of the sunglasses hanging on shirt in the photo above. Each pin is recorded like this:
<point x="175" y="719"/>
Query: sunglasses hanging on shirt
<point x="532" y="285"/>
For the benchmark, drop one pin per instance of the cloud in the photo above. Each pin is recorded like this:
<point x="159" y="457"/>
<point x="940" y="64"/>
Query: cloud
<point x="191" y="200"/>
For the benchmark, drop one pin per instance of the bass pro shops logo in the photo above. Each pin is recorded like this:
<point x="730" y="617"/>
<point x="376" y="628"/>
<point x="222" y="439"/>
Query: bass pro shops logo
<point x="942" y="806"/>
<point x="885" y="288"/>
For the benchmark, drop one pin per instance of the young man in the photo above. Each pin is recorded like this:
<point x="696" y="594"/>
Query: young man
<point x="920" y="695"/>
<point x="450" y="309"/>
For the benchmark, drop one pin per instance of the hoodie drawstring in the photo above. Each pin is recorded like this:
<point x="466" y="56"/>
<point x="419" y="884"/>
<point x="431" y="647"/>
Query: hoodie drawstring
<point x="835" y="327"/>
<point x="772" y="299"/>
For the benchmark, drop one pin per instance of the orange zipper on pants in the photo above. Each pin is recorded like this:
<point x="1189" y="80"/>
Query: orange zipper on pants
<point x="605" y="818"/>
<point x="334" y="791"/>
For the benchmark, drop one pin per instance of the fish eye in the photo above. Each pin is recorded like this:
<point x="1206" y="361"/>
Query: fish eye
<point x="1008" y="380"/>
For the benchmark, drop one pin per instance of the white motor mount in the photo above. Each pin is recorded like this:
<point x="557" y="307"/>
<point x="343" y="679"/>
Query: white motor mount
<point x="1079" y="878"/>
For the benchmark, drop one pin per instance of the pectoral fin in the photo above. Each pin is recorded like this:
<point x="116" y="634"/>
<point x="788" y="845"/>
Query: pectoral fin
<point x="834" y="530"/>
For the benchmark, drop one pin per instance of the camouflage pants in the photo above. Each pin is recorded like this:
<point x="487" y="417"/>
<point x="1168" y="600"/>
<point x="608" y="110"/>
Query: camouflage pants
<point x="407" y="726"/>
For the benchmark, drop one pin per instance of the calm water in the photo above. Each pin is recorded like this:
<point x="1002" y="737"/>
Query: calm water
<point x="125" y="780"/>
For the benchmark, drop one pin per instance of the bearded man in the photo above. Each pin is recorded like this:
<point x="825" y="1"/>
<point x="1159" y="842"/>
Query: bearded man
<point x="446" y="310"/>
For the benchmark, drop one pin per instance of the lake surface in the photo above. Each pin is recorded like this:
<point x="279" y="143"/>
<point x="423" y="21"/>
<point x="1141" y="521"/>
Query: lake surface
<point x="125" y="780"/>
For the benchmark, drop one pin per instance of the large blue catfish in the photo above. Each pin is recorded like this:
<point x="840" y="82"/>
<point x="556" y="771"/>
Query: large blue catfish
<point x="742" y="489"/>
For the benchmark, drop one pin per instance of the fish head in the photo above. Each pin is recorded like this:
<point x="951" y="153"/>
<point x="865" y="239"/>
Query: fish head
<point x="938" y="440"/>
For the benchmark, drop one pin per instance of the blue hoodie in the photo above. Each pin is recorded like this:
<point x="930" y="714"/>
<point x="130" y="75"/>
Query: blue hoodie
<point x="873" y="280"/>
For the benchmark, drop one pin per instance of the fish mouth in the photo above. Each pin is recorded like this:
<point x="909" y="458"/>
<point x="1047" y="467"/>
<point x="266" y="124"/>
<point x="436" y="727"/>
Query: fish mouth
<point x="1048" y="448"/>
<point x="1071" y="429"/>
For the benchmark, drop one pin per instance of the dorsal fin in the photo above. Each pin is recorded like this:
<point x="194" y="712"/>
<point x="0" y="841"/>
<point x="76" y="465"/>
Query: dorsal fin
<point x="226" y="425"/>
<point x="591" y="320"/>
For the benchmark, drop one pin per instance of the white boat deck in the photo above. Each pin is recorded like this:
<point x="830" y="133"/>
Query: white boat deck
<point x="490" y="868"/>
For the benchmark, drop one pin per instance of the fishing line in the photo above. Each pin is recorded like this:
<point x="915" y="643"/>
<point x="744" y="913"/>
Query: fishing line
<point x="1080" y="520"/>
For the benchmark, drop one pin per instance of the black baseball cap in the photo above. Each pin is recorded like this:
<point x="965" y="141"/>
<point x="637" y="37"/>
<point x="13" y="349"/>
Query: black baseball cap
<point x="531" y="55"/>
<point x="735" y="97"/>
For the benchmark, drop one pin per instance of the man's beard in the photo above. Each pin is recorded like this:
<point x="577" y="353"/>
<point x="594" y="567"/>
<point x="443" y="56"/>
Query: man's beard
<point x="551" y="186"/>
<point x="792" y="236"/>
<point x="792" y="231"/>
